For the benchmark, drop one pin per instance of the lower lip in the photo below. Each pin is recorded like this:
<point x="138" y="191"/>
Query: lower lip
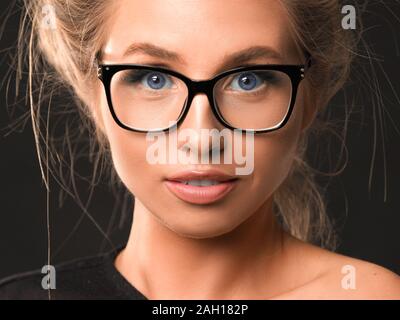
<point x="200" y="195"/>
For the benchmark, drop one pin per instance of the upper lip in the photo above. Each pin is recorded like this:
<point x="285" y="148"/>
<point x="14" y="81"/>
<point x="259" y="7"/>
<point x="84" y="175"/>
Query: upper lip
<point x="201" y="175"/>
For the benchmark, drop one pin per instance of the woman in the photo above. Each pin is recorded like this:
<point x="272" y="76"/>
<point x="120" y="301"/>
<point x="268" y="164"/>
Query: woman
<point x="203" y="231"/>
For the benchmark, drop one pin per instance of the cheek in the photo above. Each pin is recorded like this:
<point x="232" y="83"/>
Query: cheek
<point x="129" y="157"/>
<point x="275" y="152"/>
<point x="272" y="161"/>
<point x="128" y="150"/>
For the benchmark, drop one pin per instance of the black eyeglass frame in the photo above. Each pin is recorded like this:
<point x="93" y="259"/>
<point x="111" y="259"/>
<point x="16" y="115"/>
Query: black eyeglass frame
<point x="296" y="73"/>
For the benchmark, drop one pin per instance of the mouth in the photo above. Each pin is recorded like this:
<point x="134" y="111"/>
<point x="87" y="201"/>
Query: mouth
<point x="201" y="187"/>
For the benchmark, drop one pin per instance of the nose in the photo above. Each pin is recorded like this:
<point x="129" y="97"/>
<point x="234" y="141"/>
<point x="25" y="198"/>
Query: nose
<point x="198" y="118"/>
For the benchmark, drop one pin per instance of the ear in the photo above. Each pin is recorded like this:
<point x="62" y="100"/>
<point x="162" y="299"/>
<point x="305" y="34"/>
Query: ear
<point x="94" y="106"/>
<point x="98" y="119"/>
<point x="310" y="107"/>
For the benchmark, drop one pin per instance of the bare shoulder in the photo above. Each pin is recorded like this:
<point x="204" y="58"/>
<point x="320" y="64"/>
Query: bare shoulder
<point x="361" y="279"/>
<point x="342" y="277"/>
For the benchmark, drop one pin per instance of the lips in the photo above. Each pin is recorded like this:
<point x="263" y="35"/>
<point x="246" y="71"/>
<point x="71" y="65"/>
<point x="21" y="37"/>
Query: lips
<point x="200" y="175"/>
<point x="200" y="187"/>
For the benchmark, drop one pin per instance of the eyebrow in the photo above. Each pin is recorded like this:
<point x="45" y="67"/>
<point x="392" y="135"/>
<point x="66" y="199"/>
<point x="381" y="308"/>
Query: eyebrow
<point x="229" y="60"/>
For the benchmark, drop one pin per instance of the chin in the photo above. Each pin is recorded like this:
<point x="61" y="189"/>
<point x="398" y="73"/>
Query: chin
<point x="209" y="227"/>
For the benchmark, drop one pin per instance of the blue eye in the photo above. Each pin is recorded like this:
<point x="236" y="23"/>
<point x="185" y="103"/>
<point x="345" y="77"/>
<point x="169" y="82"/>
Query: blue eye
<point x="150" y="79"/>
<point x="248" y="81"/>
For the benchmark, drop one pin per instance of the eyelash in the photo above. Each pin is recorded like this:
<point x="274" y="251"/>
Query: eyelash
<point x="133" y="77"/>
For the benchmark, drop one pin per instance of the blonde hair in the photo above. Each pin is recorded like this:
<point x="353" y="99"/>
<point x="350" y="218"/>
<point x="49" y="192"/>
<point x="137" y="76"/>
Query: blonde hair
<point x="64" y="58"/>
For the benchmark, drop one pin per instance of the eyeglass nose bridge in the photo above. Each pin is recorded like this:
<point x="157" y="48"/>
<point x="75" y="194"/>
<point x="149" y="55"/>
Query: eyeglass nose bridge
<point x="201" y="86"/>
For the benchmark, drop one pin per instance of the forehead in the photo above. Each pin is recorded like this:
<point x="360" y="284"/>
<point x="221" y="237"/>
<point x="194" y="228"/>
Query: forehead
<point x="200" y="31"/>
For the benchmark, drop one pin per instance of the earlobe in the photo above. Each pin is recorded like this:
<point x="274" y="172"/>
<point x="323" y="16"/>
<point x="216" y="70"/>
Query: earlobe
<point x="98" y="119"/>
<point x="99" y="123"/>
<point x="94" y="106"/>
<point x="310" y="107"/>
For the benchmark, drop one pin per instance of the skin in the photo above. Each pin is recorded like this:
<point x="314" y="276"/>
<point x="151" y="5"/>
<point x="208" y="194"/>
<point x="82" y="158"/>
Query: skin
<point x="234" y="248"/>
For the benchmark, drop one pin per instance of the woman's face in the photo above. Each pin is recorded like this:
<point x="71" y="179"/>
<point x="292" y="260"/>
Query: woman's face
<point x="202" y="33"/>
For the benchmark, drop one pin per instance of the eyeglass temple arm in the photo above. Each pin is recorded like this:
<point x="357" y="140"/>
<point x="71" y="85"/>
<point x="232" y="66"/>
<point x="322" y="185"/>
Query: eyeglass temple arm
<point x="96" y="63"/>
<point x="308" y="63"/>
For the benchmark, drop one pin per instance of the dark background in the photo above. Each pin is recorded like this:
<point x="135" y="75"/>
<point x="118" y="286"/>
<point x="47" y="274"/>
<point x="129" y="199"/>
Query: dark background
<point x="368" y="216"/>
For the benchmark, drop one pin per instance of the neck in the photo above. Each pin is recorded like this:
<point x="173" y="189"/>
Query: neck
<point x="159" y="262"/>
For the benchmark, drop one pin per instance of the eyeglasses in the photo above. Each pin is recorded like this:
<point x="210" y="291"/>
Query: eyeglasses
<point x="257" y="98"/>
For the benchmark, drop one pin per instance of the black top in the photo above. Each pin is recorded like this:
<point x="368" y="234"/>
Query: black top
<point x="89" y="278"/>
